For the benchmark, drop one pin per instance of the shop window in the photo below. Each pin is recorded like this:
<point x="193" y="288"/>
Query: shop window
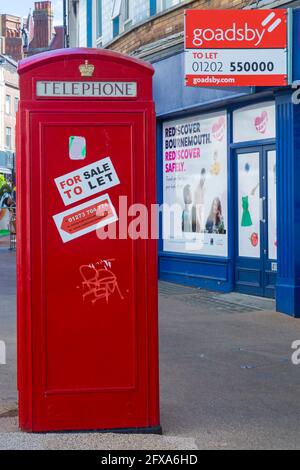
<point x="8" y="138"/>
<point x="255" y="122"/>
<point x="195" y="192"/>
<point x="7" y="104"/>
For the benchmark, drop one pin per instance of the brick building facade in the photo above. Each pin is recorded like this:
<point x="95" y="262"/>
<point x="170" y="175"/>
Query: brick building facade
<point x="43" y="25"/>
<point x="39" y="32"/>
<point x="165" y="24"/>
<point x="11" y="36"/>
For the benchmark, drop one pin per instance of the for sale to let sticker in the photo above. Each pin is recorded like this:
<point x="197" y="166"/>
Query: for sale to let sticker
<point x="236" y="47"/>
<point x="87" y="181"/>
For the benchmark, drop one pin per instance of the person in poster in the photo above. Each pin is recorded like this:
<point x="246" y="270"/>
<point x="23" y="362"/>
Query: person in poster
<point x="215" y="221"/>
<point x="187" y="212"/>
<point x="198" y="225"/>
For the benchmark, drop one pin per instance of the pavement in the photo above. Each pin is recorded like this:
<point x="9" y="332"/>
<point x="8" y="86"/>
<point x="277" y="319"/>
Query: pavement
<point x="227" y="380"/>
<point x="4" y="241"/>
<point x="8" y="394"/>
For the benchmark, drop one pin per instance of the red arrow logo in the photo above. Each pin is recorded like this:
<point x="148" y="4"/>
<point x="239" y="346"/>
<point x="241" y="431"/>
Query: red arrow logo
<point x="87" y="217"/>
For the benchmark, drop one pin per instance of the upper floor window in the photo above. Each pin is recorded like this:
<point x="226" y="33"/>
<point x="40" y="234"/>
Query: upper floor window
<point x="165" y="4"/>
<point x="116" y="9"/>
<point x="7" y="104"/>
<point x="99" y="18"/>
<point x="8" y="138"/>
<point x="16" y="103"/>
<point x="127" y="14"/>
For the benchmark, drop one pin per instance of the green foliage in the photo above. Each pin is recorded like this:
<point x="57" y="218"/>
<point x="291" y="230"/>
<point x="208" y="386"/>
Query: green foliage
<point x="2" y="180"/>
<point x="4" y="186"/>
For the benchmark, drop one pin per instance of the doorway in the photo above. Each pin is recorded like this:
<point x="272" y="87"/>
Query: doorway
<point x="256" y="221"/>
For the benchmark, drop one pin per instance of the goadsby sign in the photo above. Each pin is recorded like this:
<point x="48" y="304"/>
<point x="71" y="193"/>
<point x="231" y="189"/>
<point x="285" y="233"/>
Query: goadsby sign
<point x="236" y="47"/>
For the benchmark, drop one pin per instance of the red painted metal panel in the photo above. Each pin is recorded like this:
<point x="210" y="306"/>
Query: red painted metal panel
<point x="87" y="308"/>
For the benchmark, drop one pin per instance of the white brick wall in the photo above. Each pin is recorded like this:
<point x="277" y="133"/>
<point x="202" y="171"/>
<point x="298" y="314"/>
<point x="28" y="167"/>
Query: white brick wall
<point x="82" y="34"/>
<point x="140" y="11"/>
<point x="107" y="28"/>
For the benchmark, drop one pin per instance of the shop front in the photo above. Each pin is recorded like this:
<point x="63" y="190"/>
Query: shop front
<point x="228" y="167"/>
<point x="5" y="168"/>
<point x="6" y="158"/>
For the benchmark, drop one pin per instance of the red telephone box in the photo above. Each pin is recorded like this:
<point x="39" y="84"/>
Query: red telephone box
<point x="87" y="306"/>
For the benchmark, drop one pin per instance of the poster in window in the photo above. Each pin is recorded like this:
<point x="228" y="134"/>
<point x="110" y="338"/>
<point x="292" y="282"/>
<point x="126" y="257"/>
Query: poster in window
<point x="272" y="215"/>
<point x="249" y="205"/>
<point x="255" y="122"/>
<point x="195" y="210"/>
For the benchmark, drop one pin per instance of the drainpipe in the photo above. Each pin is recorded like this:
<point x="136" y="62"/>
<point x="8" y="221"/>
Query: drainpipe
<point x="66" y="37"/>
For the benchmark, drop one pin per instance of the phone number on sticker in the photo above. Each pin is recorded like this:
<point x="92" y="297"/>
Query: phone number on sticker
<point x="82" y="215"/>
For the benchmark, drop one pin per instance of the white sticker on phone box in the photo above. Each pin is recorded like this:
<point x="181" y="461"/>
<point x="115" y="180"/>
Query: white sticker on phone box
<point x="85" y="218"/>
<point x="87" y="181"/>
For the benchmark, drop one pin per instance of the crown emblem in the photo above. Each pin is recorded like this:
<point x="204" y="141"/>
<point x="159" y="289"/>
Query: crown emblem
<point x="86" y="69"/>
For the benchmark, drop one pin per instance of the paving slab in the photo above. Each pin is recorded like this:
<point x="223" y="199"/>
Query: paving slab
<point x="90" y="441"/>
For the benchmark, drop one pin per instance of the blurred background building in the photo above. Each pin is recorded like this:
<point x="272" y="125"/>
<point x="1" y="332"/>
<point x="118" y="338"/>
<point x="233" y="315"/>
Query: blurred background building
<point x="9" y="99"/>
<point x="39" y="33"/>
<point x="21" y="37"/>
<point x="11" y="36"/>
